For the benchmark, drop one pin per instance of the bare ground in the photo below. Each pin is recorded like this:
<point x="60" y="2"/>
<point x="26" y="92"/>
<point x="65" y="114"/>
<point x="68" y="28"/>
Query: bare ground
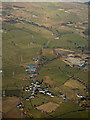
<point x="48" y="80"/>
<point x="48" y="107"/>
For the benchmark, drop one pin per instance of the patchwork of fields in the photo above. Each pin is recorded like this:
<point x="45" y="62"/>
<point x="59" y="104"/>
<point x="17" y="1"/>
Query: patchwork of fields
<point x="40" y="30"/>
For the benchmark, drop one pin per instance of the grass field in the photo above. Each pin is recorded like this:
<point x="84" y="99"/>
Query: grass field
<point x="80" y="114"/>
<point x="66" y="107"/>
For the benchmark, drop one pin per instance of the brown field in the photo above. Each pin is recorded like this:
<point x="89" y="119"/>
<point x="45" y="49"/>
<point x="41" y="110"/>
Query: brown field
<point x="73" y="84"/>
<point x="48" y="80"/>
<point x="45" y="51"/>
<point x="73" y="10"/>
<point x="48" y="107"/>
<point x="9" y="107"/>
<point x="15" y="113"/>
<point x="68" y="92"/>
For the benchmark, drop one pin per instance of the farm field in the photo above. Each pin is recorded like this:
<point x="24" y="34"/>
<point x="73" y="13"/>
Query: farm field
<point x="9" y="107"/>
<point x="37" y="41"/>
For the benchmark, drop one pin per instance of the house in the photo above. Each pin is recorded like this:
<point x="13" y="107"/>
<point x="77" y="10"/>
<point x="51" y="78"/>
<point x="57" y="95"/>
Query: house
<point x="48" y="93"/>
<point x="38" y="86"/>
<point x="33" y="69"/>
<point x="19" y="105"/>
<point x="0" y="71"/>
<point x="66" y="11"/>
<point x="30" y="88"/>
<point x="35" y="85"/>
<point x="57" y="38"/>
<point x="36" y="61"/>
<point x="46" y="89"/>
<point x="69" y="22"/>
<point x="32" y="93"/>
<point x="26" y="70"/>
<point x="31" y="76"/>
<point x="32" y="83"/>
<point x="52" y="96"/>
<point x="31" y="96"/>
<point x="79" y="95"/>
<point x="36" y="82"/>
<point x="64" y="97"/>
<point x="60" y="93"/>
<point x="26" y="89"/>
<point x="41" y="91"/>
<point x="27" y="99"/>
<point x="33" y="72"/>
<point x="35" y="16"/>
<point x="31" y="66"/>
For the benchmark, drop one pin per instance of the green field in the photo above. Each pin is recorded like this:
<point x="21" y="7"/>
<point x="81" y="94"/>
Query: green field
<point x="66" y="108"/>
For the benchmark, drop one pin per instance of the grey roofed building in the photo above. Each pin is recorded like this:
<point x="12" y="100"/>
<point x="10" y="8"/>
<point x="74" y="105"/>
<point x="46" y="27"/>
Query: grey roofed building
<point x="79" y="95"/>
<point x="27" y="98"/>
<point x="75" y="61"/>
<point x="31" y="65"/>
<point x="19" y="105"/>
<point x="0" y="71"/>
<point x="64" y="97"/>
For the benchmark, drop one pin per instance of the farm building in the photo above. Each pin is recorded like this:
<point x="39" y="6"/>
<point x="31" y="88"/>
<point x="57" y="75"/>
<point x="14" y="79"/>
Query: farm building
<point x="19" y="105"/>
<point x="79" y="95"/>
<point x="75" y="61"/>
<point x="57" y="38"/>
<point x="31" y="66"/>
<point x="30" y="70"/>
<point x="63" y="52"/>
<point x="27" y="99"/>
<point x="0" y="71"/>
<point x="64" y="97"/>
